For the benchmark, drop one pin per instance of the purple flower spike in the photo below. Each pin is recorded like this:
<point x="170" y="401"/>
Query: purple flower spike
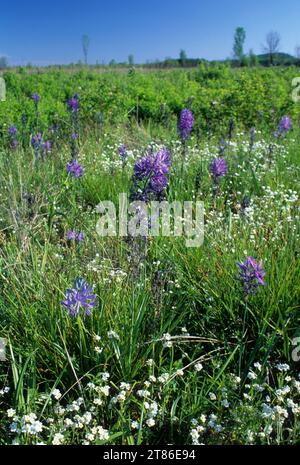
<point x="75" y="169"/>
<point x="122" y="151"/>
<point x="251" y="275"/>
<point x="153" y="169"/>
<point x="47" y="146"/>
<point x="73" y="104"/>
<point x="218" y="168"/>
<point x="12" y="131"/>
<point x="35" y="97"/>
<point x="143" y="167"/>
<point x="71" y="235"/>
<point x="37" y="140"/>
<point x="80" y="236"/>
<point x="285" y="125"/>
<point x="81" y="297"/>
<point x="162" y="161"/>
<point x="158" y="183"/>
<point x="185" y="124"/>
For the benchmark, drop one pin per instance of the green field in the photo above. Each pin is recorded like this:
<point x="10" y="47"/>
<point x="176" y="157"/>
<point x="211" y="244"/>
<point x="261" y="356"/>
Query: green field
<point x="174" y="351"/>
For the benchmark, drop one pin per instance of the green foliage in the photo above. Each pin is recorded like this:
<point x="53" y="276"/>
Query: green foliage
<point x="238" y="45"/>
<point x="255" y="97"/>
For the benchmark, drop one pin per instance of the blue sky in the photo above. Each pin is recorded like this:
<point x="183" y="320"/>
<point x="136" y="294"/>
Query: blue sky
<point x="50" y="32"/>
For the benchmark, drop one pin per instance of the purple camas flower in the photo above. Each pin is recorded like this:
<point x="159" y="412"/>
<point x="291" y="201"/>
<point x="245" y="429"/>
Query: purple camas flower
<point x="185" y="123"/>
<point x="143" y="168"/>
<point x="72" y="235"/>
<point x="162" y="161"/>
<point x="81" y="297"/>
<point x="73" y="104"/>
<point x="80" y="236"/>
<point x="12" y="131"/>
<point x="122" y="151"/>
<point x="251" y="275"/>
<point x="218" y="168"/>
<point x="41" y="147"/>
<point x="75" y="169"/>
<point x="152" y="165"/>
<point x="37" y="140"/>
<point x="47" y="146"/>
<point x="35" y="97"/>
<point x="158" y="183"/>
<point x="153" y="170"/>
<point x="284" y="126"/>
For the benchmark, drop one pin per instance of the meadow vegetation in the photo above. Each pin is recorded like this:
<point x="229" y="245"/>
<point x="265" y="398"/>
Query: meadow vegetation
<point x="176" y="346"/>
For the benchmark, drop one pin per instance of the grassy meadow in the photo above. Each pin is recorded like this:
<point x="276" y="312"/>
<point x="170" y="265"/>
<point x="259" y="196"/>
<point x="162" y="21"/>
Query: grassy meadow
<point x="174" y="351"/>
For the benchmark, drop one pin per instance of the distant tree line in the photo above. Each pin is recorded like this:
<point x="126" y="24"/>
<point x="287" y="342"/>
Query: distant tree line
<point x="270" y="56"/>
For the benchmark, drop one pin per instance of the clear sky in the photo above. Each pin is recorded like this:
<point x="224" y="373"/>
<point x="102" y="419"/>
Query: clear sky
<point x="50" y="32"/>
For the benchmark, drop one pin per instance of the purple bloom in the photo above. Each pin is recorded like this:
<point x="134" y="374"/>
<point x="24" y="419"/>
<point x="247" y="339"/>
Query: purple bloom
<point x="37" y="140"/>
<point x="41" y="147"/>
<point x="75" y="169"/>
<point x="285" y="124"/>
<point x="162" y="161"/>
<point x="71" y="235"/>
<point x="143" y="167"/>
<point x="47" y="146"/>
<point x="80" y="236"/>
<point x="122" y="151"/>
<point x="251" y="275"/>
<point x="151" y="165"/>
<point x="185" y="124"/>
<point x="35" y="97"/>
<point x="74" y="136"/>
<point x="218" y="168"/>
<point x="82" y="296"/>
<point x="158" y="182"/>
<point x="73" y="104"/>
<point x="153" y="169"/>
<point x="12" y="131"/>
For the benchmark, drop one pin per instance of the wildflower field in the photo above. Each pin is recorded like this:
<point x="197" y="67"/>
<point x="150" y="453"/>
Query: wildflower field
<point x="145" y="340"/>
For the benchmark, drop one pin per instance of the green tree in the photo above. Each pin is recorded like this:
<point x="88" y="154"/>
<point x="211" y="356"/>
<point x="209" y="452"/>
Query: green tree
<point x="238" y="44"/>
<point x="131" y="60"/>
<point x="182" y="57"/>
<point x="85" y="47"/>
